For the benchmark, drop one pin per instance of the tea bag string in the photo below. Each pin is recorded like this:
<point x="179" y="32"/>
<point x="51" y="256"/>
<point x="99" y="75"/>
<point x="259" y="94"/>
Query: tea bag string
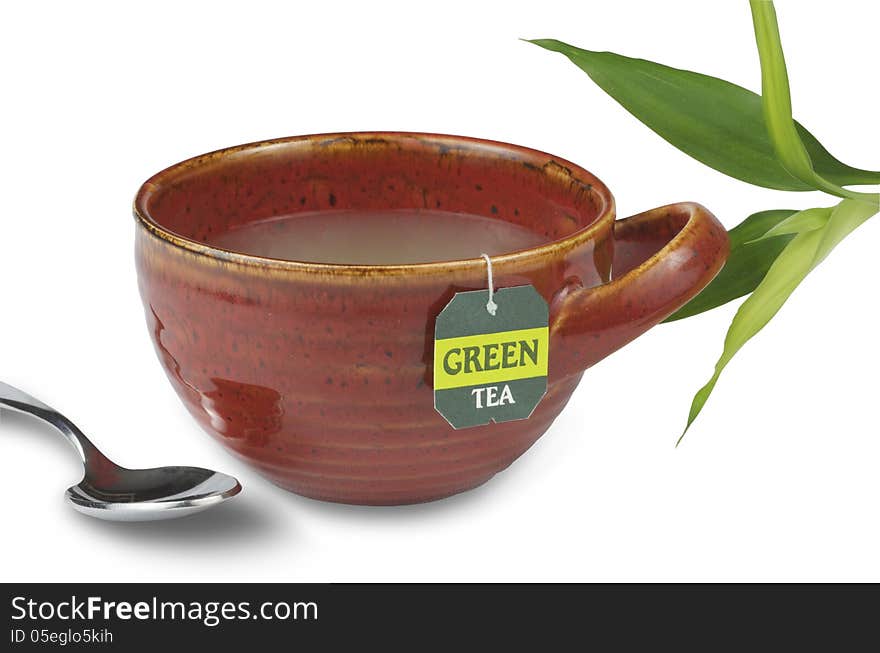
<point x="491" y="306"/>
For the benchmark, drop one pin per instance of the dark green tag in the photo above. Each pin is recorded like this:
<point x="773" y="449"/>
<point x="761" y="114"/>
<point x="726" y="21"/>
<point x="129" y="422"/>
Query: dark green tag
<point x="491" y="368"/>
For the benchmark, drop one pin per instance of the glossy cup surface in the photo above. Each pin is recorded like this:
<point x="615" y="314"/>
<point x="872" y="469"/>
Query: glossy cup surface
<point x="320" y="375"/>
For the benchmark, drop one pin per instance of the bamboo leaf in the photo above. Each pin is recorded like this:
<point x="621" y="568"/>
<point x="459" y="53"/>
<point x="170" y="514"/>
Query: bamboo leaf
<point x="848" y="216"/>
<point x="756" y="225"/>
<point x="751" y="255"/>
<point x="776" y="102"/>
<point x="805" y="220"/>
<point x="800" y="256"/>
<point x="716" y="122"/>
<point x="817" y="231"/>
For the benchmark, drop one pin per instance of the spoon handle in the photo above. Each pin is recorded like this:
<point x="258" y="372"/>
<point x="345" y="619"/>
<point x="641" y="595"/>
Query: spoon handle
<point x="22" y="402"/>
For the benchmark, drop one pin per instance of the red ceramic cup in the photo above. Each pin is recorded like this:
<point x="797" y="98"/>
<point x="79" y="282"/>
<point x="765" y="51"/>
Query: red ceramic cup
<point x="319" y="375"/>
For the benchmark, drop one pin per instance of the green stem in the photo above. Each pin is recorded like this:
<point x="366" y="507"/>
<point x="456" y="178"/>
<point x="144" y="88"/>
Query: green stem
<point x="776" y="99"/>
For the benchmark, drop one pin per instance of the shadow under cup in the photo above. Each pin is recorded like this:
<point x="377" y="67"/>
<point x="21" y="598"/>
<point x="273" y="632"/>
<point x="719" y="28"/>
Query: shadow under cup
<point x="319" y="375"/>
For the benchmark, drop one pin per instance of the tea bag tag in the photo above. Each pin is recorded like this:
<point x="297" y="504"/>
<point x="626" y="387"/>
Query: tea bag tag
<point x="491" y="355"/>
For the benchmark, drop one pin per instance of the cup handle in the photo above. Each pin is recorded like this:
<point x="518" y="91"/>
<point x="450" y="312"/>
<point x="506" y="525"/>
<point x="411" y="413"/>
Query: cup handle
<point x="662" y="259"/>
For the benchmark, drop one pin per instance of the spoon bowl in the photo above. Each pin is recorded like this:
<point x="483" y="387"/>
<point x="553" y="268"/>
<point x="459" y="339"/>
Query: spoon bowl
<point x="149" y="494"/>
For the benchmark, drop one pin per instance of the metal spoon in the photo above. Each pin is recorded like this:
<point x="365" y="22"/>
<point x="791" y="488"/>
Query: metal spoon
<point x="111" y="492"/>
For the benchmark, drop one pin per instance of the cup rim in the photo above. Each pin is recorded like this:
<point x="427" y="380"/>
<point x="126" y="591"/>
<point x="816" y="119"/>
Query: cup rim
<point x="155" y="183"/>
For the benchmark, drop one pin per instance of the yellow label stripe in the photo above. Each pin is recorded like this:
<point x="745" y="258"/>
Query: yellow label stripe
<point x="490" y="358"/>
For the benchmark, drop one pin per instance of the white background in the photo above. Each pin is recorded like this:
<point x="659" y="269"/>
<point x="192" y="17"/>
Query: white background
<point x="776" y="481"/>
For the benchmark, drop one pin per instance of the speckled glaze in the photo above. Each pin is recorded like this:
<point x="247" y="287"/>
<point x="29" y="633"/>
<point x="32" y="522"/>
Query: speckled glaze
<point x="320" y="375"/>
